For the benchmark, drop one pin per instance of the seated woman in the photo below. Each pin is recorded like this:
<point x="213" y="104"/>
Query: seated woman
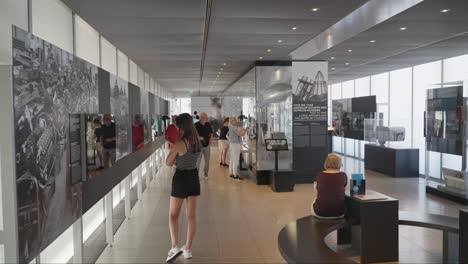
<point x="330" y="188"/>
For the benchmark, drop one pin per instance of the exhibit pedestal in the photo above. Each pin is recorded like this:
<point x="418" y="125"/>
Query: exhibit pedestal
<point x="395" y="162"/>
<point x="282" y="181"/>
<point x="263" y="177"/>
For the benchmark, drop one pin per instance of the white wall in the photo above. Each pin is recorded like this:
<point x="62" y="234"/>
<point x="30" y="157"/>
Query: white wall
<point x="108" y="56"/>
<point x="52" y="20"/>
<point x="141" y="78"/>
<point x="86" y="41"/>
<point x="122" y="65"/>
<point x="12" y="12"/>
<point x="133" y="78"/>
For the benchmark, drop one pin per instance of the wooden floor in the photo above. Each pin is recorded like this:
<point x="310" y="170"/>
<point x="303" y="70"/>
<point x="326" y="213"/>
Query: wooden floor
<point x="238" y="222"/>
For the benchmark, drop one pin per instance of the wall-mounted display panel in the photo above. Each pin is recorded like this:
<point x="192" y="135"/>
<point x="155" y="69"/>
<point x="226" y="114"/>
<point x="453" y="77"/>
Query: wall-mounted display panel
<point x="48" y="83"/>
<point x="348" y="115"/>
<point x="444" y="120"/>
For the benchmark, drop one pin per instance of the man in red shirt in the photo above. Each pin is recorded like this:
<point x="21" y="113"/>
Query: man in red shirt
<point x="172" y="133"/>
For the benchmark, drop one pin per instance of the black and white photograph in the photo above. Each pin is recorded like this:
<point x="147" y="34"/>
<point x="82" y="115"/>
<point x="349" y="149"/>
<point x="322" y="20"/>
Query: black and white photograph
<point x="120" y="110"/>
<point x="48" y="201"/>
<point x="100" y="144"/>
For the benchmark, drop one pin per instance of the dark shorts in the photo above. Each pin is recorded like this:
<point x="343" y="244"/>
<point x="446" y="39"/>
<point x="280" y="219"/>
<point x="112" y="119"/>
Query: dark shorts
<point x="185" y="183"/>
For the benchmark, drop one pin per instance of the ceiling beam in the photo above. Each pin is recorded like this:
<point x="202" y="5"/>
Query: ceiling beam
<point x="365" y="17"/>
<point x="209" y="8"/>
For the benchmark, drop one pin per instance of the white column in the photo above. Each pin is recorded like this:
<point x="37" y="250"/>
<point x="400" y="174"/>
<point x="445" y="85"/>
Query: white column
<point x="78" y="241"/>
<point x="128" y="206"/>
<point x="109" y="228"/>
<point x="139" y="184"/>
<point x="148" y="172"/>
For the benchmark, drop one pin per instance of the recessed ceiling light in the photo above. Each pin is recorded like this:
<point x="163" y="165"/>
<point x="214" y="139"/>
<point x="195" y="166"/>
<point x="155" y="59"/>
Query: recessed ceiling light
<point x="403" y="28"/>
<point x="445" y="10"/>
<point x="333" y="68"/>
<point x="219" y="72"/>
<point x="217" y="76"/>
<point x="260" y="58"/>
<point x="224" y="64"/>
<point x="268" y="50"/>
<point x="315" y="9"/>
<point x="372" y="41"/>
<point x="280" y="40"/>
<point x="350" y="50"/>
<point x="347" y="63"/>
<point x="332" y="58"/>
<point x="294" y="28"/>
<point x="221" y="69"/>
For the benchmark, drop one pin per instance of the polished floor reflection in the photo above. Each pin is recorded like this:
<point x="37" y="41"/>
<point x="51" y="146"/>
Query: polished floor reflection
<point x="238" y="222"/>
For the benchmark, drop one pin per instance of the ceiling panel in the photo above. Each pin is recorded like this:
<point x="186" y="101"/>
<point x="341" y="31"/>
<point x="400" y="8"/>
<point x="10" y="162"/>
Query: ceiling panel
<point x="166" y="37"/>
<point x="242" y="31"/>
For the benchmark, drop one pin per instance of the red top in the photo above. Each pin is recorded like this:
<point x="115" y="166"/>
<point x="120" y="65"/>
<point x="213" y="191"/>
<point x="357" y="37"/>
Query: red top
<point x="138" y="134"/>
<point x="330" y="194"/>
<point x="172" y="133"/>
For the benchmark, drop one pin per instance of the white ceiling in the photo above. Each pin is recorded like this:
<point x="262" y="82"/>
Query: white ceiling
<point x="430" y="35"/>
<point x="165" y="37"/>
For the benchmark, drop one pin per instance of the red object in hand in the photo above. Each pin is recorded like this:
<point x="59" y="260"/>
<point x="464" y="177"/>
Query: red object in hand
<point x="172" y="133"/>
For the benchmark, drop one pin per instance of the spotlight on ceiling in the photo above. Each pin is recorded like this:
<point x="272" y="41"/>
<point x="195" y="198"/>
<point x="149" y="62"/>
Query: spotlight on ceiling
<point x="403" y="28"/>
<point x="445" y="10"/>
<point x="332" y="58"/>
<point x="347" y="63"/>
<point x="224" y="64"/>
<point x="372" y="41"/>
<point x="350" y="50"/>
<point x="221" y="68"/>
<point x="333" y="69"/>
<point x="268" y="50"/>
<point x="294" y="28"/>
<point x="280" y="40"/>
<point x="315" y="9"/>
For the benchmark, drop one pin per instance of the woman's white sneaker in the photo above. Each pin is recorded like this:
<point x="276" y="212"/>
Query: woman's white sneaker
<point x="187" y="253"/>
<point x="173" y="253"/>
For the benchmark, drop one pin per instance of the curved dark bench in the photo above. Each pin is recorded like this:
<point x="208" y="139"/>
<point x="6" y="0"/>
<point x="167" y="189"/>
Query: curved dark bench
<point x="302" y="241"/>
<point x="446" y="224"/>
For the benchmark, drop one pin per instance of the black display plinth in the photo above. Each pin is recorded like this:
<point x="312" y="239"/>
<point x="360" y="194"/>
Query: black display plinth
<point x="282" y="180"/>
<point x="446" y="195"/>
<point x="463" y="236"/>
<point x="395" y="162"/>
<point x="263" y="177"/>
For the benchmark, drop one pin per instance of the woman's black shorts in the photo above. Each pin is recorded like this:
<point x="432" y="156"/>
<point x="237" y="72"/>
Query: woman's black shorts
<point x="185" y="183"/>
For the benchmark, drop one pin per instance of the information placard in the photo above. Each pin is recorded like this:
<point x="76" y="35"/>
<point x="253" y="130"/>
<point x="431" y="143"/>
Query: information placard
<point x="276" y="144"/>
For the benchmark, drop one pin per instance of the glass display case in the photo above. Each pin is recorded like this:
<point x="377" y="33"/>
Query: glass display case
<point x="274" y="114"/>
<point x="445" y="132"/>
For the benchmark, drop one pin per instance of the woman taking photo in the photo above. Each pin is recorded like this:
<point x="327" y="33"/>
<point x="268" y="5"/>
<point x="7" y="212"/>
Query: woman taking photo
<point x="223" y="143"/>
<point x="185" y="184"/>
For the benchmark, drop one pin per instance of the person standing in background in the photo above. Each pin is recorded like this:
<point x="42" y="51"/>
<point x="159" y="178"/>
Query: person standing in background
<point x="223" y="142"/>
<point x="205" y="133"/>
<point x="235" y="139"/>
<point x="172" y="132"/>
<point x="98" y="135"/>
<point x="195" y="116"/>
<point x="108" y="141"/>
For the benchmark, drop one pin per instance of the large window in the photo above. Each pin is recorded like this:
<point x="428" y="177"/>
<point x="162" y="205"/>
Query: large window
<point x="400" y="106"/>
